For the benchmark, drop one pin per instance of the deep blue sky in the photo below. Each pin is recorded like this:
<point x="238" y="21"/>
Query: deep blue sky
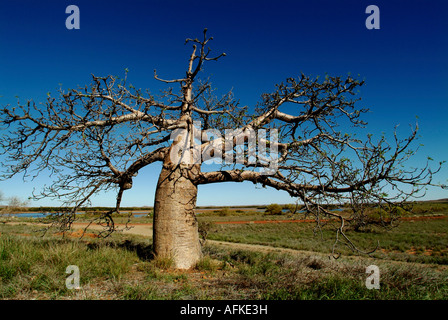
<point x="404" y="63"/>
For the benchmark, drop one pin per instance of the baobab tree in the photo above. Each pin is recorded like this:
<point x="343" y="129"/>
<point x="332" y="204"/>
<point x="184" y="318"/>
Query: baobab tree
<point x="299" y="138"/>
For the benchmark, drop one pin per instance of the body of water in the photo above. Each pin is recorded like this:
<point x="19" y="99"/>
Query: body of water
<point x="138" y="215"/>
<point x="29" y="215"/>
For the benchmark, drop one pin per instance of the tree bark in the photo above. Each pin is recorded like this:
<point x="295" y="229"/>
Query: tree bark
<point x="175" y="228"/>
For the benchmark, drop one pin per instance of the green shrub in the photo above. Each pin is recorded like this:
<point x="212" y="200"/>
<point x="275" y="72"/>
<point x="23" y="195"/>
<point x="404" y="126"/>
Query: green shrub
<point x="274" y="209"/>
<point x="207" y="264"/>
<point x="224" y="212"/>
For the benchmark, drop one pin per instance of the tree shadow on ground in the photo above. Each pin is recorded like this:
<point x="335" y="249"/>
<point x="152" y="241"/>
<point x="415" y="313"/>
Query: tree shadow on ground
<point x="144" y="251"/>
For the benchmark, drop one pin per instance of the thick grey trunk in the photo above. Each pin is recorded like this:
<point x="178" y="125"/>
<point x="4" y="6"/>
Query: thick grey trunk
<point x="175" y="229"/>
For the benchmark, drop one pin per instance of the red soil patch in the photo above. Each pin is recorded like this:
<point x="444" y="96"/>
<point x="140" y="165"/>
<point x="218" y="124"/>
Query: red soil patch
<point x="278" y="221"/>
<point x="426" y="252"/>
<point x="77" y="234"/>
<point x="422" y="218"/>
<point x="265" y="221"/>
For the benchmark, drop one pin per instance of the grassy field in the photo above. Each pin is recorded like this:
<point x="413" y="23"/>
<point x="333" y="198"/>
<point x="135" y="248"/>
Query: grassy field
<point x="412" y="260"/>
<point x="423" y="241"/>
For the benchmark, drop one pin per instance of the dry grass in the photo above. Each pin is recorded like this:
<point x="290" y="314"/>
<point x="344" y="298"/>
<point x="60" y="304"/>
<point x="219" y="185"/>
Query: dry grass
<point x="123" y="267"/>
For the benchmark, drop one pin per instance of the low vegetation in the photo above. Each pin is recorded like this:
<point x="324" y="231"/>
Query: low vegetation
<point x="413" y="261"/>
<point x="413" y="241"/>
<point x="120" y="269"/>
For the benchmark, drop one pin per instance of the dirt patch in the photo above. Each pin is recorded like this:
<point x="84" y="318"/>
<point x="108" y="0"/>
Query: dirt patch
<point x="421" y="218"/>
<point x="267" y="221"/>
<point x="77" y="234"/>
<point x="414" y="251"/>
<point x="24" y="234"/>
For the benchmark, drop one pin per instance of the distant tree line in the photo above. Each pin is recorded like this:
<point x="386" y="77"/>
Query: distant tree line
<point x="10" y="204"/>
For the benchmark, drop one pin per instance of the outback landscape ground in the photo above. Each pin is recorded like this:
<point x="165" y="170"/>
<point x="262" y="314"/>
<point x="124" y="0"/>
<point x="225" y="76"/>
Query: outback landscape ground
<point x="248" y="254"/>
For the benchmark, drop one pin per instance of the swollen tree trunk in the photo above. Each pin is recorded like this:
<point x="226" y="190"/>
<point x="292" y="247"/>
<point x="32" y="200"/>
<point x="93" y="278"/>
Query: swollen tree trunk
<point x="175" y="228"/>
